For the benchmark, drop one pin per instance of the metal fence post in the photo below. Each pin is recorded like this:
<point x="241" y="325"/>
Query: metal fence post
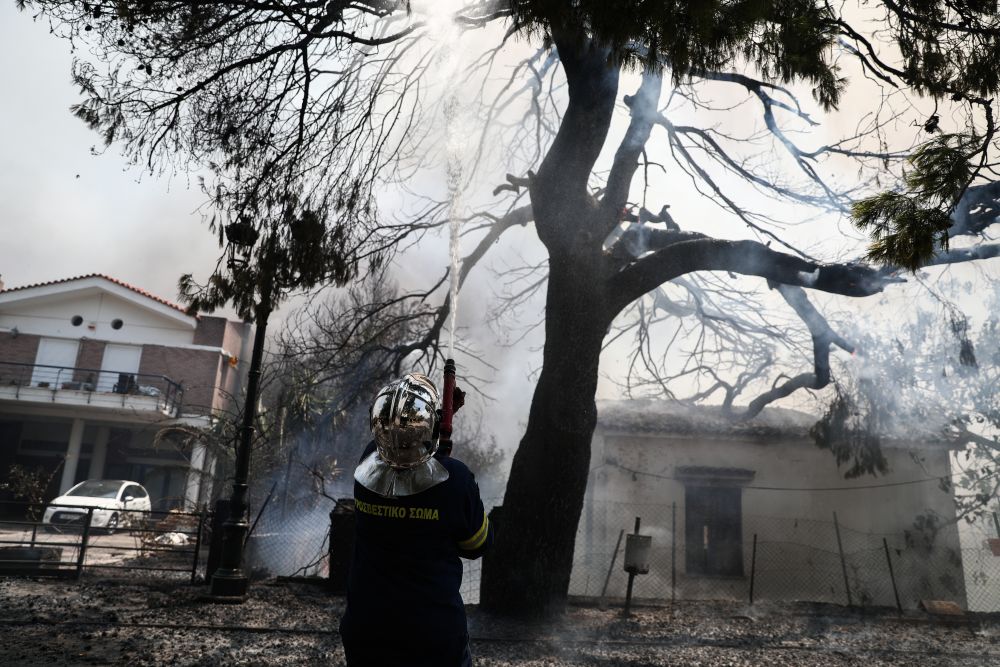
<point x="631" y="575"/>
<point x="219" y="513"/>
<point x="197" y="546"/>
<point x="83" y="542"/>
<point x="843" y="561"/>
<point x="996" y="523"/>
<point x="614" y="558"/>
<point x="673" y="554"/>
<point x="753" y="566"/>
<point x="892" y="577"/>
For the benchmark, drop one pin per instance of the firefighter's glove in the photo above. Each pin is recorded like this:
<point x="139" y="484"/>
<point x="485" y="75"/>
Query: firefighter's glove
<point x="457" y="400"/>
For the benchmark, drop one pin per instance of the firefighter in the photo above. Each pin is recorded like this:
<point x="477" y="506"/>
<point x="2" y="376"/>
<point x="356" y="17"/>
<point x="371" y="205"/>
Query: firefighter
<point x="416" y="515"/>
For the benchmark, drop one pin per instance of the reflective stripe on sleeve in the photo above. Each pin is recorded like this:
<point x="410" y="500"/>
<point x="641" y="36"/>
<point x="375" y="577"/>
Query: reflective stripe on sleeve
<point x="478" y="539"/>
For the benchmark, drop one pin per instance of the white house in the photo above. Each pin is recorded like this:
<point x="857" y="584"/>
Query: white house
<point x="707" y="488"/>
<point x="92" y="368"/>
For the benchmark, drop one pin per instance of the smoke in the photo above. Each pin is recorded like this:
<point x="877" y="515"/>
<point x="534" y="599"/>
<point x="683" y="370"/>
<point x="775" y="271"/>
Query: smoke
<point x="928" y="368"/>
<point x="919" y="364"/>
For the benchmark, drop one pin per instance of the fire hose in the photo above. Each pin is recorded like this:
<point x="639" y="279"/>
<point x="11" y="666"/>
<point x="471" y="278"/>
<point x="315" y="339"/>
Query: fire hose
<point x="447" y="407"/>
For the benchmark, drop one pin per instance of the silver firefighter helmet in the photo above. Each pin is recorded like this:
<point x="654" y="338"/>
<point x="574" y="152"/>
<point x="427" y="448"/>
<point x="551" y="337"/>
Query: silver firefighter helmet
<point x="403" y="420"/>
<point x="404" y="425"/>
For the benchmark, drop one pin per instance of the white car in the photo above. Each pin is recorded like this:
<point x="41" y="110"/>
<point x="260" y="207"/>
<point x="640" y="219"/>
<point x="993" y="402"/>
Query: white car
<point x="108" y="497"/>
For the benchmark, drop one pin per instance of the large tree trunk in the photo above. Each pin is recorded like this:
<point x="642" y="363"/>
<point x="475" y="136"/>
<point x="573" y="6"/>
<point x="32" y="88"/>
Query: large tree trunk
<point x="528" y="571"/>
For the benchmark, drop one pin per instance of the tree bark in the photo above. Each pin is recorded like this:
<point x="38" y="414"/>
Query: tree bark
<point x="528" y="572"/>
<point x="529" y="569"/>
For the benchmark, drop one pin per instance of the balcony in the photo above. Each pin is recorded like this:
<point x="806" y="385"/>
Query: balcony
<point x="61" y="385"/>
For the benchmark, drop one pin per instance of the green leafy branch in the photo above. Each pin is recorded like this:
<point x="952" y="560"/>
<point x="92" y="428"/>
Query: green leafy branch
<point x="908" y="227"/>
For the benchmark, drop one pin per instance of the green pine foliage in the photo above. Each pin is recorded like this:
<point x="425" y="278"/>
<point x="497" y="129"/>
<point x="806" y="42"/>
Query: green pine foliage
<point x="301" y="251"/>
<point x="909" y="226"/>
<point x="949" y="46"/>
<point x="784" y="39"/>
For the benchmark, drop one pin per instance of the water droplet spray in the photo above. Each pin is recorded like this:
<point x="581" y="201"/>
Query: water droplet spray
<point x="454" y="175"/>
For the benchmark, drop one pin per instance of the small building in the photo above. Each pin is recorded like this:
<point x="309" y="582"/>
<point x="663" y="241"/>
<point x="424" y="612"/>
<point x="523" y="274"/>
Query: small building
<point x="92" y="369"/>
<point x="725" y="499"/>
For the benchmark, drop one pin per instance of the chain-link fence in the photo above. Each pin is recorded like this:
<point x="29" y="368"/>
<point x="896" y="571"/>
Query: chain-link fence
<point x="981" y="564"/>
<point x="778" y="559"/>
<point x="290" y="540"/>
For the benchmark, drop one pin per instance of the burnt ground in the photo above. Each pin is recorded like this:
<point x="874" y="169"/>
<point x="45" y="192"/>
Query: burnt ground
<point x="156" y="622"/>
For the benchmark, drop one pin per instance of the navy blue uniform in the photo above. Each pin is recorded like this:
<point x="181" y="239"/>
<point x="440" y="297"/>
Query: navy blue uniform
<point x="403" y="602"/>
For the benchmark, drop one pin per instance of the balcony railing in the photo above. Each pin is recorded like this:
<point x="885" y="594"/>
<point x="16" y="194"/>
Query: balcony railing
<point x="91" y="386"/>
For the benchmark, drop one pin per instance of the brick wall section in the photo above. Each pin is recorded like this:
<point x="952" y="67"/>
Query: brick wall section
<point x="197" y="370"/>
<point x="20" y="350"/>
<point x="89" y="360"/>
<point x="210" y="331"/>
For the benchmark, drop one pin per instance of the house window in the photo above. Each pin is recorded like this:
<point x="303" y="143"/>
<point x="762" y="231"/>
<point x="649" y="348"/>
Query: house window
<point x="713" y="521"/>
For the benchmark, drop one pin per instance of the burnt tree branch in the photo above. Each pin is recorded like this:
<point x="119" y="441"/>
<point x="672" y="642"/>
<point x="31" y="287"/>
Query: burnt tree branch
<point x="642" y="107"/>
<point x="823" y="336"/>
<point x="744" y="257"/>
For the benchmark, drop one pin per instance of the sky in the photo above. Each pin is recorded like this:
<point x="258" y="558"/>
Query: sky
<point x="66" y="212"/>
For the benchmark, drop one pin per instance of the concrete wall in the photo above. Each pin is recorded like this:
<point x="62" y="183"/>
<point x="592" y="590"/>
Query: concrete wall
<point x="52" y="316"/>
<point x="636" y="475"/>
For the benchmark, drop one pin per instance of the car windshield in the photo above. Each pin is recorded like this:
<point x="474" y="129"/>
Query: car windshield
<point x="96" y="489"/>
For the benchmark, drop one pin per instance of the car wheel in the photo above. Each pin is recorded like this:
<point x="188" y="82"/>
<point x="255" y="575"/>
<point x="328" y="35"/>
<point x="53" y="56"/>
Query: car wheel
<point x="112" y="525"/>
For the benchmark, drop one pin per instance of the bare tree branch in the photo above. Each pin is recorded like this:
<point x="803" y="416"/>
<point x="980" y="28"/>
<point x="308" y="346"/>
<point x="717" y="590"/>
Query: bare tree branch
<point x="747" y="258"/>
<point x="822" y="337"/>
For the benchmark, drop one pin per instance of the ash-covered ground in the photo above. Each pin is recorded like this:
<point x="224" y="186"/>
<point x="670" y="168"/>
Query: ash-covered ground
<point x="97" y="622"/>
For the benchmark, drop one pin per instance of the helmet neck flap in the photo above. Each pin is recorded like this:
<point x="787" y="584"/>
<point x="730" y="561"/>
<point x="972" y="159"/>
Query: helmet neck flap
<point x="390" y="482"/>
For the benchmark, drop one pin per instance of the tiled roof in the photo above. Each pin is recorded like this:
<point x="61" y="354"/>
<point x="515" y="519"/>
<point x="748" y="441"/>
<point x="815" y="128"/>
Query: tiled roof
<point x="667" y="417"/>
<point x="121" y="283"/>
<point x="671" y="419"/>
